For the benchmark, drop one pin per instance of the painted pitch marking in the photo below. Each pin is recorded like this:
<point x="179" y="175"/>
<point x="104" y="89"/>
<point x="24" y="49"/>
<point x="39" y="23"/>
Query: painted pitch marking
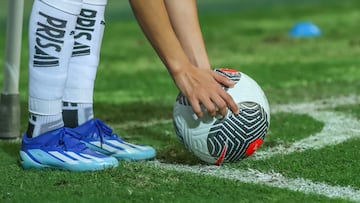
<point x="269" y="179"/>
<point x="338" y="128"/>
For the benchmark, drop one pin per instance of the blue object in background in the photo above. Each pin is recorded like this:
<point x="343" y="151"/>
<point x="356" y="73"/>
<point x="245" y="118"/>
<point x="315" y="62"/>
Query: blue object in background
<point x="305" y="29"/>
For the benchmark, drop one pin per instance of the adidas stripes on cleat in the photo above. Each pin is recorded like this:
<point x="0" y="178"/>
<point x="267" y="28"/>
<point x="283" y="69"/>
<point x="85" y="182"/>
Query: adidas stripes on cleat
<point x="60" y="150"/>
<point x="100" y="137"/>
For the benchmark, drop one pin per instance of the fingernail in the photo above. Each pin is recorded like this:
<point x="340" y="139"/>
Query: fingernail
<point x="232" y="83"/>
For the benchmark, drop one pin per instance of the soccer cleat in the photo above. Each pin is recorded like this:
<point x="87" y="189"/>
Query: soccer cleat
<point x="60" y="150"/>
<point x="100" y="137"/>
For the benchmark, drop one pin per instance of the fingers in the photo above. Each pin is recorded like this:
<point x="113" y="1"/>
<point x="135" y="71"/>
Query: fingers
<point x="212" y="108"/>
<point x="220" y="107"/>
<point x="225" y="97"/>
<point x="230" y="102"/>
<point x="222" y="79"/>
<point x="216" y="104"/>
<point x="197" y="110"/>
<point x="204" y="88"/>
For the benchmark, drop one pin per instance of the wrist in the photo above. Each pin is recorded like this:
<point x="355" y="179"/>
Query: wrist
<point x="176" y="67"/>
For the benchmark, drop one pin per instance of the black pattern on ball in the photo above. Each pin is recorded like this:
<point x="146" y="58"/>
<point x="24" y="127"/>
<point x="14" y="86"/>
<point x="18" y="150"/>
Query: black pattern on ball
<point x="236" y="132"/>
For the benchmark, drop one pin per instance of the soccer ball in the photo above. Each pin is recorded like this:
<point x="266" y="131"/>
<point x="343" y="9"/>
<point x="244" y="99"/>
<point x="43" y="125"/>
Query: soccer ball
<point x="230" y="138"/>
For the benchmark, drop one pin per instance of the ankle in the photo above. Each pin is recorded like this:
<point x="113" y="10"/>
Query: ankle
<point x="75" y="114"/>
<point x="39" y="124"/>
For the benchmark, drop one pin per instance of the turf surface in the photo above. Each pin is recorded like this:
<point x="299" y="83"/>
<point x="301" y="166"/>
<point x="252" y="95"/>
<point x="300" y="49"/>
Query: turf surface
<point x="135" y="95"/>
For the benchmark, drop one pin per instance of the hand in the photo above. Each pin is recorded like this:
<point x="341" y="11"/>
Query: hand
<point x="203" y="86"/>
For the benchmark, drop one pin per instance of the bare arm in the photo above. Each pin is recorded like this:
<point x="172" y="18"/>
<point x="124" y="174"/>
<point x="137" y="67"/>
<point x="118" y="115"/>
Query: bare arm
<point x="199" y="85"/>
<point x="184" y="20"/>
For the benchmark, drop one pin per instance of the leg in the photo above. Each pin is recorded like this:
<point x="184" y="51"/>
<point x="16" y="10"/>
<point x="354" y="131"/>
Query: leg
<point x="50" y="43"/>
<point x="47" y="143"/>
<point x="78" y="96"/>
<point x="184" y="20"/>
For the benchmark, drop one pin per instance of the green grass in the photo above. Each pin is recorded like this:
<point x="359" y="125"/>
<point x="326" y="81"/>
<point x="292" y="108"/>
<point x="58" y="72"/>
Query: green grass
<point x="353" y="110"/>
<point x="336" y="165"/>
<point x="133" y="88"/>
<point x="138" y="182"/>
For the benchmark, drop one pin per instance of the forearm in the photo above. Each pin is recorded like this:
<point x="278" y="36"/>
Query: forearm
<point x="184" y="20"/>
<point x="153" y="19"/>
<point x="170" y="35"/>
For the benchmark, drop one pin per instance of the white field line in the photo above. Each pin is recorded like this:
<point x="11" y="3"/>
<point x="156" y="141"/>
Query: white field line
<point x="294" y="108"/>
<point x="270" y="179"/>
<point x="337" y="128"/>
<point x="316" y="105"/>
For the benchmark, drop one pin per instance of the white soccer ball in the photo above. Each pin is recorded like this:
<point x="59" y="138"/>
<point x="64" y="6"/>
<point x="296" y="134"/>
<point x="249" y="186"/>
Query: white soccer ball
<point x="233" y="137"/>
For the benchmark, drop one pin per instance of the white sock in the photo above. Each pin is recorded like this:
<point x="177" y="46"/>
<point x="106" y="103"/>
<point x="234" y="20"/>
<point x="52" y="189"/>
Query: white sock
<point x="39" y="124"/>
<point x="75" y="114"/>
<point x="84" y="62"/>
<point x="51" y="38"/>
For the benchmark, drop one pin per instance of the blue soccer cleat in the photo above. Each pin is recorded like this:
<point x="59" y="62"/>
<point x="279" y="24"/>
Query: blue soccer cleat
<point x="60" y="150"/>
<point x="100" y="137"/>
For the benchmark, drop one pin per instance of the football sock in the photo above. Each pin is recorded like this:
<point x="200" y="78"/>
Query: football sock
<point x="75" y="114"/>
<point x="51" y="39"/>
<point x="78" y="94"/>
<point x="39" y="124"/>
